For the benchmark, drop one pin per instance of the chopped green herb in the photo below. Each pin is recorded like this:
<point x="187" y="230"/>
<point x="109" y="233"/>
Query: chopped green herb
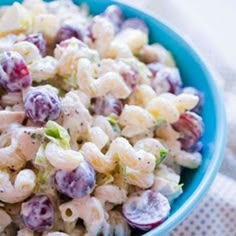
<point x="113" y="120"/>
<point x="55" y="132"/>
<point x="163" y="154"/>
<point x="33" y="136"/>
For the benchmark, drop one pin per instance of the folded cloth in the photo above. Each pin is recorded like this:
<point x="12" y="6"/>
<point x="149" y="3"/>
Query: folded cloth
<point x="215" y="215"/>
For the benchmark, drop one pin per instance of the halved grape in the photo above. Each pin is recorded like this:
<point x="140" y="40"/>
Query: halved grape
<point x="38" y="213"/>
<point x="131" y="78"/>
<point x="135" y="23"/>
<point x="77" y="183"/>
<point x="14" y="73"/>
<point x="106" y="105"/>
<point x="167" y="79"/>
<point x="39" y="41"/>
<point x="190" y="127"/>
<point x="41" y="106"/>
<point x="69" y="31"/>
<point x="147" y="210"/>
<point x="115" y="15"/>
<point x="194" y="91"/>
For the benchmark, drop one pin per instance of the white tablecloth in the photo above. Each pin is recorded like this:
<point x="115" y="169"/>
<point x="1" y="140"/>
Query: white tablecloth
<point x="215" y="215"/>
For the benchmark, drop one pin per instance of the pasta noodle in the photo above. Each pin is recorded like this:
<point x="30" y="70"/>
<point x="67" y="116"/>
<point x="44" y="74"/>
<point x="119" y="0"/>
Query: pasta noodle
<point x="22" y="188"/>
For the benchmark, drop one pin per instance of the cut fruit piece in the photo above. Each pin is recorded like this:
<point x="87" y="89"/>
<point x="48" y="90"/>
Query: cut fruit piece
<point x="191" y="128"/>
<point x="41" y="106"/>
<point x="106" y="105"/>
<point x="38" y="213"/>
<point x="147" y="210"/>
<point x="76" y="183"/>
<point x="14" y="73"/>
<point x="16" y="20"/>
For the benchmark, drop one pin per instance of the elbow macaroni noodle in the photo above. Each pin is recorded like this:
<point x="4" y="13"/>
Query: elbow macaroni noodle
<point x="17" y="146"/>
<point x="139" y="178"/>
<point x="134" y="39"/>
<point x="22" y="188"/>
<point x="103" y="32"/>
<point x="60" y="158"/>
<point x="43" y="68"/>
<point x="48" y="24"/>
<point x="166" y="107"/>
<point x="110" y="193"/>
<point x="28" y="50"/>
<point x="98" y="137"/>
<point x="107" y="44"/>
<point x="89" y="209"/>
<point x="110" y="82"/>
<point x="120" y="150"/>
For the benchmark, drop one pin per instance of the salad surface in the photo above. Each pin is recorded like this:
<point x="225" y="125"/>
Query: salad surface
<point x="95" y="122"/>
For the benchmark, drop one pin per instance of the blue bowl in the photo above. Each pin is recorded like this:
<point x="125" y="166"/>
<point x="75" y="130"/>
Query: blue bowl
<point x="195" y="73"/>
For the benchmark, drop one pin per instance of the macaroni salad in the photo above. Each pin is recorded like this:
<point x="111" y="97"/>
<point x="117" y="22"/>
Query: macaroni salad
<point x="95" y="124"/>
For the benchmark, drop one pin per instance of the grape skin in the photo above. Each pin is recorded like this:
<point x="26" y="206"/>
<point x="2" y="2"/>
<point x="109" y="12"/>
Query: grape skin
<point x="67" y="32"/>
<point x="14" y="73"/>
<point x="77" y="183"/>
<point x="190" y="127"/>
<point x="146" y="210"/>
<point x="38" y="213"/>
<point x="167" y="79"/>
<point x="41" y="106"/>
<point x="106" y="105"/>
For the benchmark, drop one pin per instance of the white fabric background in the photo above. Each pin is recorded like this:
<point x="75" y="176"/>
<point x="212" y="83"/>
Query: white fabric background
<point x="210" y="26"/>
<point x="215" y="215"/>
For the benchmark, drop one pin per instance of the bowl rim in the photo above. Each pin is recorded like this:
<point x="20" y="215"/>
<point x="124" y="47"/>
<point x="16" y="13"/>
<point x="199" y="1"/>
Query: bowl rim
<point x="220" y="137"/>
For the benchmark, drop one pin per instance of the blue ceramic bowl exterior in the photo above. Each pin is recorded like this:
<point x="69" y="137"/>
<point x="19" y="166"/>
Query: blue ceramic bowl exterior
<point x="195" y="73"/>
